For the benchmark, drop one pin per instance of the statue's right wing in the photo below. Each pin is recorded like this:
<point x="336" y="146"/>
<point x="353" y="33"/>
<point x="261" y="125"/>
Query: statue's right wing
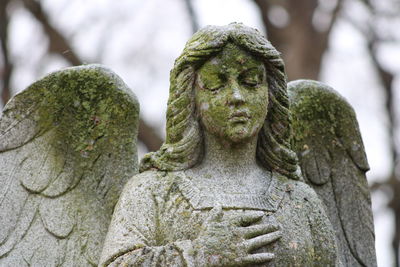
<point x="67" y="147"/>
<point x="333" y="161"/>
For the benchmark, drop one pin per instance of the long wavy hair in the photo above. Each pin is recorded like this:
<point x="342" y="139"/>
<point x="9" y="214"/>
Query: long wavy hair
<point x="183" y="147"/>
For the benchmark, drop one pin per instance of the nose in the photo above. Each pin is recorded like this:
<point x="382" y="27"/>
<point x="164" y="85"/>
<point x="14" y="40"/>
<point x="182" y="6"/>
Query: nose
<point x="236" y="95"/>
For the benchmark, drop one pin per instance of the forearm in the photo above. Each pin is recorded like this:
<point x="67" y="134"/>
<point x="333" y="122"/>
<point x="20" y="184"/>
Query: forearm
<point x="175" y="254"/>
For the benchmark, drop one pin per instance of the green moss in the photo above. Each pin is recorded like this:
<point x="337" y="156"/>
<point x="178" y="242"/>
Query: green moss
<point x="232" y="81"/>
<point x="86" y="107"/>
<point x="318" y="111"/>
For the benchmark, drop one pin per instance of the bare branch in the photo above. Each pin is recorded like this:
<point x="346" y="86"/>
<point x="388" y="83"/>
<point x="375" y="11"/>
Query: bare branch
<point x="149" y="137"/>
<point x="387" y="84"/>
<point x="301" y="44"/>
<point x="192" y="15"/>
<point x="368" y="4"/>
<point x="7" y="68"/>
<point x="386" y="79"/>
<point x="334" y="16"/>
<point x="60" y="45"/>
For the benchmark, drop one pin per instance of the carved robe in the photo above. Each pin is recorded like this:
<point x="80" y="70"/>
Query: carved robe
<point x="159" y="214"/>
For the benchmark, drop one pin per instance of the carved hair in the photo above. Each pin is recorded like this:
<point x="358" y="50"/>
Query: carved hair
<point x="184" y="143"/>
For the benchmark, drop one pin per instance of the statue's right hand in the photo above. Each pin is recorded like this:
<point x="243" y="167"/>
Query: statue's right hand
<point x="229" y="242"/>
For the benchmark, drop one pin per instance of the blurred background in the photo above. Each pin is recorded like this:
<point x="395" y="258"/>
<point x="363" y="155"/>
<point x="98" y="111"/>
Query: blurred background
<point x="353" y="45"/>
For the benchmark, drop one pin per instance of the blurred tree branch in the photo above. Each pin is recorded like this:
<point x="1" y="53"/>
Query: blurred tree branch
<point x="7" y="66"/>
<point x="59" y="44"/>
<point x="299" y="40"/>
<point x="386" y="80"/>
<point x="192" y="15"/>
<point x="393" y="180"/>
<point x="149" y="136"/>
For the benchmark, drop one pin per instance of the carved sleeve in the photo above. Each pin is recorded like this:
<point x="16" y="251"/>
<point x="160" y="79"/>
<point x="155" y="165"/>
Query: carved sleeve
<point x="132" y="236"/>
<point x="174" y="254"/>
<point x="324" y="239"/>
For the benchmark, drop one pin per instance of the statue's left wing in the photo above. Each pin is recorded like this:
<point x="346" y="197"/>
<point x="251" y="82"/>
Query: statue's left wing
<point x="333" y="161"/>
<point x="67" y="146"/>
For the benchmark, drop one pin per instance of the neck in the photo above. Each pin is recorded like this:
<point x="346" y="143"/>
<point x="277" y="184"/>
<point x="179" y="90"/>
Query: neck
<point x="229" y="158"/>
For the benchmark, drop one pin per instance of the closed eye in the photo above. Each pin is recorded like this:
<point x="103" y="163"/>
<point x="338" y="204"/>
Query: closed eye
<point x="250" y="82"/>
<point x="250" y="77"/>
<point x="214" y="88"/>
<point x="213" y="83"/>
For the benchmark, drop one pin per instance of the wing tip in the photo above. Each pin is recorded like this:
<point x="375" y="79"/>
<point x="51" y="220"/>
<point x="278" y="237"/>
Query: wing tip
<point x="298" y="88"/>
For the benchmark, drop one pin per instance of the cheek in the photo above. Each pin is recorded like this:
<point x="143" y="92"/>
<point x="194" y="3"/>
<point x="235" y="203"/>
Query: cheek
<point x="203" y="107"/>
<point x="259" y="104"/>
<point x="201" y="103"/>
<point x="211" y="106"/>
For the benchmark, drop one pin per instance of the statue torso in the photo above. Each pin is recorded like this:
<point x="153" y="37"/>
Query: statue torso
<point x="183" y="206"/>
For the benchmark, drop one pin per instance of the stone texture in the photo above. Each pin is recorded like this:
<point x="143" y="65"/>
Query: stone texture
<point x="158" y="221"/>
<point x="67" y="146"/>
<point x="332" y="157"/>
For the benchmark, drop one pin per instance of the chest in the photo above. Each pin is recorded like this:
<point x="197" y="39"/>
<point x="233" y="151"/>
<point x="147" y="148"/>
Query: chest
<point x="180" y="221"/>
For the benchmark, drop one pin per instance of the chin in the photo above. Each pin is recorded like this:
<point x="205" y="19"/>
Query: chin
<point x="240" y="136"/>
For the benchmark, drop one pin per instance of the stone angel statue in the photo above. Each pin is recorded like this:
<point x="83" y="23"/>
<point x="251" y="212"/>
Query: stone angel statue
<point x="253" y="172"/>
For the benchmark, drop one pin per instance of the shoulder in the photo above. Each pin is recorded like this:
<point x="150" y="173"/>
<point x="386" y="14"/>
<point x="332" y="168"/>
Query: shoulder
<point x="296" y="188"/>
<point x="299" y="191"/>
<point x="303" y="190"/>
<point x="148" y="183"/>
<point x="144" y="179"/>
<point x="305" y="196"/>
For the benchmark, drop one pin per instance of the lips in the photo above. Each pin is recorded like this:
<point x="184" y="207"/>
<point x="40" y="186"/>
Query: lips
<point x="239" y="116"/>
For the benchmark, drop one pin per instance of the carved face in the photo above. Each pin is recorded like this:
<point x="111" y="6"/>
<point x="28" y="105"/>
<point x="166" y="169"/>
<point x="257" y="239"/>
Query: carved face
<point x="232" y="95"/>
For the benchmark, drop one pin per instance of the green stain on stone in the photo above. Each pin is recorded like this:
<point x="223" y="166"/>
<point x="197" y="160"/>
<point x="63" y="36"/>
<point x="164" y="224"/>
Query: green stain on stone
<point x="86" y="108"/>
<point x="318" y="110"/>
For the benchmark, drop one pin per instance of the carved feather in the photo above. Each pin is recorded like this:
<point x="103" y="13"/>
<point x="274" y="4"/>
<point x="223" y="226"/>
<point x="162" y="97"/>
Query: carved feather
<point x="333" y="161"/>
<point x="67" y="146"/>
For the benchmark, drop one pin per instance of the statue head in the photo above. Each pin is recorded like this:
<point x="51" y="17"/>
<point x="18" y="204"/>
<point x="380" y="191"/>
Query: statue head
<point x="231" y="96"/>
<point x="183" y="147"/>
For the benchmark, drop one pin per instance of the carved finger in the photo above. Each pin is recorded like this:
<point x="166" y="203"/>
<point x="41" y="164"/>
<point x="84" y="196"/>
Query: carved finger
<point x="262" y="240"/>
<point x="215" y="214"/>
<point x="247" y="219"/>
<point x="255" y="259"/>
<point x="256" y="230"/>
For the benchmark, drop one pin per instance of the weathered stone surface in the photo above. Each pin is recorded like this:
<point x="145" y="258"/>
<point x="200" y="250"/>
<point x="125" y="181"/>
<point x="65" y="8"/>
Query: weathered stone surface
<point x="67" y="146"/>
<point x="332" y="157"/>
<point x="225" y="189"/>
